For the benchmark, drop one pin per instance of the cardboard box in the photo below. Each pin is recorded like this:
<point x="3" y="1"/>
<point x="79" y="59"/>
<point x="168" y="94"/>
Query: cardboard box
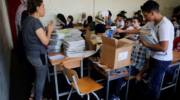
<point x="116" y="53"/>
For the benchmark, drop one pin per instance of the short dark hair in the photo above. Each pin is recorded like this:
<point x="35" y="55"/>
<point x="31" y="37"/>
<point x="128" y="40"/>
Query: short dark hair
<point x="149" y="6"/>
<point x="110" y="14"/>
<point x="137" y="18"/>
<point x="33" y="4"/>
<point x="71" y="17"/>
<point x="100" y="28"/>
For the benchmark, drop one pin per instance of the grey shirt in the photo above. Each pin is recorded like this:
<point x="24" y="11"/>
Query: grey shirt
<point x="32" y="44"/>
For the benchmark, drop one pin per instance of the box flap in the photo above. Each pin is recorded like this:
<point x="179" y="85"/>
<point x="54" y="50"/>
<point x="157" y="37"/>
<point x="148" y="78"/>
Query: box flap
<point x="109" y="41"/>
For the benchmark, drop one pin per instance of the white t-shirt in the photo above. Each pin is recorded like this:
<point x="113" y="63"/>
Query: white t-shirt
<point x="164" y="31"/>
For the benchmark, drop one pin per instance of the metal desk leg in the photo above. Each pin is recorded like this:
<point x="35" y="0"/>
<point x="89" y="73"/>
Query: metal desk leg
<point x="129" y="74"/>
<point x="56" y="83"/>
<point x="81" y="68"/>
<point x="107" y="87"/>
<point x="177" y="78"/>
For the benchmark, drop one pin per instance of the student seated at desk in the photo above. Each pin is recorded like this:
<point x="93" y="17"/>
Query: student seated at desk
<point x="136" y="25"/>
<point x="81" y="19"/>
<point x="109" y="21"/>
<point x="89" y="23"/>
<point x="70" y="20"/>
<point x="94" y="38"/>
<point x="61" y="21"/>
<point x="119" y="21"/>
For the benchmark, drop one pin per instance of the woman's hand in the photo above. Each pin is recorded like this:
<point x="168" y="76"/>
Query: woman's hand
<point x="50" y="27"/>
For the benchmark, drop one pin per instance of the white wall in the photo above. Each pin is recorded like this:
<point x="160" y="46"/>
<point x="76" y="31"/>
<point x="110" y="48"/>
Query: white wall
<point x="76" y="7"/>
<point x="167" y="6"/>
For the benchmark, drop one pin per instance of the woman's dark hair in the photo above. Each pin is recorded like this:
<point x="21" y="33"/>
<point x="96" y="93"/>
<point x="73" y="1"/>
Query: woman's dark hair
<point x="90" y="19"/>
<point x="100" y="28"/>
<point x="62" y="18"/>
<point x="33" y="4"/>
<point x="110" y="14"/>
<point x="71" y="17"/>
<point x="149" y="6"/>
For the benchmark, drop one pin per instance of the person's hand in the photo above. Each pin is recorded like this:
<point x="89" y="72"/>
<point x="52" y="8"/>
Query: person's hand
<point x="118" y="30"/>
<point x="50" y="27"/>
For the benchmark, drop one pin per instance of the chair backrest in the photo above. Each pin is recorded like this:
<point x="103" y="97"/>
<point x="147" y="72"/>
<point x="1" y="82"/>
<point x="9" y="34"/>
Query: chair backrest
<point x="72" y="78"/>
<point x="173" y="74"/>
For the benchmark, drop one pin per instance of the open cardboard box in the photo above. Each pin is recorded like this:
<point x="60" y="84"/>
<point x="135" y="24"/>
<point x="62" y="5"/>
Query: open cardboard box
<point x="116" y="53"/>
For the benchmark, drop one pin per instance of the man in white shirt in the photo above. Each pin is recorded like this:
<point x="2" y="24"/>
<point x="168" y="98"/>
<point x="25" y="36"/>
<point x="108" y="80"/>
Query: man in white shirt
<point x="161" y="52"/>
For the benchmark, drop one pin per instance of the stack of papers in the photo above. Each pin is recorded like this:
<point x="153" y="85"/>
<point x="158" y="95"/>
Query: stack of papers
<point x="55" y="42"/>
<point x="73" y="46"/>
<point x="148" y="35"/>
<point x="56" y="57"/>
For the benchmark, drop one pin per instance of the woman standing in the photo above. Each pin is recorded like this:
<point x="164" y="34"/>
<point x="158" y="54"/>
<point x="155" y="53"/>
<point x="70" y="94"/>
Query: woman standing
<point x="35" y="40"/>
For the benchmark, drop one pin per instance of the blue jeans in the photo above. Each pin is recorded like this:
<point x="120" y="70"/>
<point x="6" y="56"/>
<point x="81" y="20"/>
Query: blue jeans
<point x="41" y="68"/>
<point x="155" y="74"/>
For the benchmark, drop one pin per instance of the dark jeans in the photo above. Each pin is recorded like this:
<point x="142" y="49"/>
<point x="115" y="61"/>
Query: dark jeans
<point x="155" y="74"/>
<point x="41" y="68"/>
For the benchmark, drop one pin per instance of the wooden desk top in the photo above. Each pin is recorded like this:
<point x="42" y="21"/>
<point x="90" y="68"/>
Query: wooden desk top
<point x="67" y="62"/>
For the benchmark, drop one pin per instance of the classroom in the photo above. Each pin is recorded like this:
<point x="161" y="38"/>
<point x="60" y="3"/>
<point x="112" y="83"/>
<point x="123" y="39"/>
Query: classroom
<point x="89" y="49"/>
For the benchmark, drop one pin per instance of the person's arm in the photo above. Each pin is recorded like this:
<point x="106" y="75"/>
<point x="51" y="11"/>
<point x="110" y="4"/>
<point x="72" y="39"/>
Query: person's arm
<point x="164" y="36"/>
<point x="134" y="31"/>
<point x="42" y="34"/>
<point x="161" y="46"/>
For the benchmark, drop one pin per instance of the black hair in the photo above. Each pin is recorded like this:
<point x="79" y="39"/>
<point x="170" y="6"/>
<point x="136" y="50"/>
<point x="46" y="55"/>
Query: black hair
<point x="62" y="18"/>
<point x="136" y="18"/>
<point x="110" y="14"/>
<point x="149" y="6"/>
<point x="90" y="19"/>
<point x="120" y="15"/>
<point x="33" y="4"/>
<point x="100" y="28"/>
<point x="71" y="17"/>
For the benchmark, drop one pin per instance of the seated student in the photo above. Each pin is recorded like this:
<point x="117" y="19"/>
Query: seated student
<point x="176" y="26"/>
<point x="70" y="21"/>
<point x="177" y="44"/>
<point x="82" y="19"/>
<point x="119" y="21"/>
<point x="136" y="25"/>
<point x="89" y="23"/>
<point x="128" y="26"/>
<point x="62" y="23"/>
<point x="139" y="15"/>
<point x="94" y="38"/>
<point x="109" y="21"/>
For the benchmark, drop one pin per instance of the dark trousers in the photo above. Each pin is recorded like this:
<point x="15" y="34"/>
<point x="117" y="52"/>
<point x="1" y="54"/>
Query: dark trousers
<point x="155" y="74"/>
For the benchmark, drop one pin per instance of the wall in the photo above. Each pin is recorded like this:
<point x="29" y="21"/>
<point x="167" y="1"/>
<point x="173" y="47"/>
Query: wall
<point x="76" y="7"/>
<point x="5" y="49"/>
<point x="167" y="6"/>
<point x="91" y="7"/>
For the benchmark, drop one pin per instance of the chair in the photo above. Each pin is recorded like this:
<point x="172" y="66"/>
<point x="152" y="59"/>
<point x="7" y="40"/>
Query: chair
<point x="83" y="86"/>
<point x="170" y="79"/>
